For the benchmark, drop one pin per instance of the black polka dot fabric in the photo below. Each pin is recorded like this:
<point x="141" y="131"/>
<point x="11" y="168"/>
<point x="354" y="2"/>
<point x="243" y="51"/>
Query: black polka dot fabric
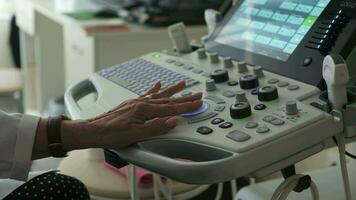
<point x="51" y="186"/>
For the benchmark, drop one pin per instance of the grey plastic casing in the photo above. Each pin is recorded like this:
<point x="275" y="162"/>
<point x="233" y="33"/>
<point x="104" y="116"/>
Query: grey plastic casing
<point x="216" y="158"/>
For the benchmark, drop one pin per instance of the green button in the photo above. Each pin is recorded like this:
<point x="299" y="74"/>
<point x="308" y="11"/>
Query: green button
<point x="156" y="55"/>
<point x="310" y="21"/>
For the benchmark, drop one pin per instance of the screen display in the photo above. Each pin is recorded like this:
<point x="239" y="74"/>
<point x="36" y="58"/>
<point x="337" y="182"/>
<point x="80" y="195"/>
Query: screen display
<point x="272" y="28"/>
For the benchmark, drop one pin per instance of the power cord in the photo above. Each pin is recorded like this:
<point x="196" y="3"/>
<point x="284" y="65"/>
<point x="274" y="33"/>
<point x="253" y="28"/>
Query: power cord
<point x="289" y="184"/>
<point x="343" y="166"/>
<point x="346" y="152"/>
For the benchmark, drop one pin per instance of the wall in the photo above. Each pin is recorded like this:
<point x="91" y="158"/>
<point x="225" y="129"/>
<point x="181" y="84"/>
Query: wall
<point x="6" y="10"/>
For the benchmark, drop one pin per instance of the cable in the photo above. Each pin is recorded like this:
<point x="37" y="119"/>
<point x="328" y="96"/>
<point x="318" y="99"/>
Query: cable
<point x="233" y="185"/>
<point x="346" y="152"/>
<point x="219" y="191"/>
<point x="133" y="183"/>
<point x="287" y="186"/>
<point x="343" y="166"/>
<point x="155" y="187"/>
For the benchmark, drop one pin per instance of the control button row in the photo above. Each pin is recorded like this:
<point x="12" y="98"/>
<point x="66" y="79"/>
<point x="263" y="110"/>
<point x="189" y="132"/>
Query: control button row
<point x="260" y="130"/>
<point x="215" y="99"/>
<point x="188" y="67"/>
<point x="273" y="120"/>
<point x="201" y="118"/>
<point x="204" y="130"/>
<point x="238" y="136"/>
<point x="220" y="108"/>
<point x="222" y="125"/>
<point x="283" y="84"/>
<point x="217" y="121"/>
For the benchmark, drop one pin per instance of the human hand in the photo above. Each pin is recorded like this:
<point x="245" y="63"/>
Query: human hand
<point x="135" y="120"/>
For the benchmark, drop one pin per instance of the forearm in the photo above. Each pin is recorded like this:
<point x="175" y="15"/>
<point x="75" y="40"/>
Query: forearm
<point x="72" y="134"/>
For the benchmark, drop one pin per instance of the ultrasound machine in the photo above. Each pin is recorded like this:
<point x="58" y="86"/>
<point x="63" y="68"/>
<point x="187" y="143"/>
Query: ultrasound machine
<point x="278" y="78"/>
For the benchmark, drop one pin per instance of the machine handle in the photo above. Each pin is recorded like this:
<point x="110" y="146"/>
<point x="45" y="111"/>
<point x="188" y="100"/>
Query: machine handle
<point x="174" y="168"/>
<point x="77" y="92"/>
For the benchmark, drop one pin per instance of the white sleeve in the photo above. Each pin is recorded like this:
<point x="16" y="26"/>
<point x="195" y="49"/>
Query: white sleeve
<point x="17" y="136"/>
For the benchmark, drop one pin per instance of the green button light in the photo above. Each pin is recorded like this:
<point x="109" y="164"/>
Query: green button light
<point x="156" y="55"/>
<point x="310" y="21"/>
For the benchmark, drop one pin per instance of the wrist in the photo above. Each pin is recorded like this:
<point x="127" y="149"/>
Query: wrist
<point x="74" y="135"/>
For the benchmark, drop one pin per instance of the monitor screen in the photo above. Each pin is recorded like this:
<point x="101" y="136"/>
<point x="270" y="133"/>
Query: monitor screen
<point x="272" y="28"/>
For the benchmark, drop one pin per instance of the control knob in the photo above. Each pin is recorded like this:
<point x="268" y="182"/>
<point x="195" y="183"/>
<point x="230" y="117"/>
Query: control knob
<point x="210" y="85"/>
<point x="240" y="110"/>
<point x="248" y="82"/>
<point x="291" y="108"/>
<point x="214" y="58"/>
<point x="220" y="75"/>
<point x="267" y="93"/>
<point x="258" y="71"/>
<point x="241" y="97"/>
<point x="201" y="53"/>
<point x="242" y="67"/>
<point x="227" y="61"/>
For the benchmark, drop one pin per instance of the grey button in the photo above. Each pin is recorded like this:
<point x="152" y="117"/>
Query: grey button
<point x="277" y="122"/>
<point x="251" y="125"/>
<point x="229" y="93"/>
<point x="201" y="53"/>
<point x="201" y="118"/>
<point x="242" y="67"/>
<point x="269" y="118"/>
<point x="283" y="84"/>
<point x="238" y="136"/>
<point x="179" y="64"/>
<point x="206" y="74"/>
<point x="214" y="58"/>
<point x="219" y="108"/>
<point x="217" y="100"/>
<point x="262" y="130"/>
<point x="170" y="61"/>
<point x="258" y="71"/>
<point x="210" y="85"/>
<point x="197" y="71"/>
<point x="188" y="67"/>
<point x="228" y="62"/>
<point x="186" y="93"/>
<point x="273" y="81"/>
<point x="293" y="87"/>
<point x="241" y="97"/>
<point x="291" y="108"/>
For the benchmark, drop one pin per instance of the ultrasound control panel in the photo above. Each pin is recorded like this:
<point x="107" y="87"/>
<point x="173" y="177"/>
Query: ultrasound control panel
<point x="262" y="109"/>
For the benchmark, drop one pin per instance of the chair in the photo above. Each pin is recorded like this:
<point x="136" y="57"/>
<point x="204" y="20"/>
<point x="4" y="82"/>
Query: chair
<point x="11" y="84"/>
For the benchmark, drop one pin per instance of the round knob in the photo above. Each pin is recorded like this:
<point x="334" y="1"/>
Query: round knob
<point x="210" y="85"/>
<point x="201" y="53"/>
<point x="248" y="82"/>
<point x="242" y="67"/>
<point x="228" y="62"/>
<point x="240" y="110"/>
<point x="291" y="108"/>
<point x="220" y="75"/>
<point x="267" y="93"/>
<point x="214" y="58"/>
<point x="241" y="97"/>
<point x="258" y="71"/>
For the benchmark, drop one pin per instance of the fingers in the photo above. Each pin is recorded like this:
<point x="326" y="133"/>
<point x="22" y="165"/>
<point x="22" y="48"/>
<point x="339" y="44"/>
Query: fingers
<point x="156" y="127"/>
<point x="156" y="88"/>
<point x="191" y="98"/>
<point x="170" y="91"/>
<point x="150" y="111"/>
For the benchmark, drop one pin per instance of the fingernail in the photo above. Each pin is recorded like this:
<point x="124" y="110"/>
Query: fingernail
<point x="172" y="122"/>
